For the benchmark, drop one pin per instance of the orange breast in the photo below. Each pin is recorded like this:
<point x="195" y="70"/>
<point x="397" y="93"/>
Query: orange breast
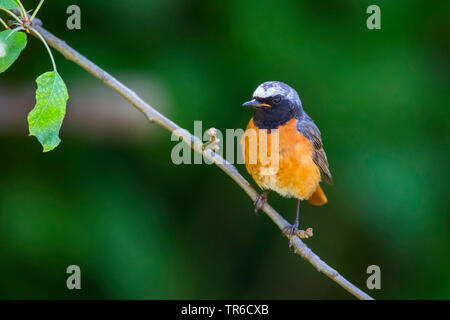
<point x="288" y="169"/>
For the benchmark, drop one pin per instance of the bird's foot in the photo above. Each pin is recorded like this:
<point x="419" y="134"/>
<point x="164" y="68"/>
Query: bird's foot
<point x="260" y="201"/>
<point x="292" y="230"/>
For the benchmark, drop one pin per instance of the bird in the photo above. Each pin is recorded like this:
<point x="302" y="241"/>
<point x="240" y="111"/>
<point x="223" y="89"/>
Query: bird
<point x="301" y="161"/>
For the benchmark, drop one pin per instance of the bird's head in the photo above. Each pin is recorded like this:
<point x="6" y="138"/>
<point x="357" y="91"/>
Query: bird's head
<point x="274" y="103"/>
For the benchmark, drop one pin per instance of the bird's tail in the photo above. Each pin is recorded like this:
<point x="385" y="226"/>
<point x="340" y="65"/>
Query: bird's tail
<point x="318" y="198"/>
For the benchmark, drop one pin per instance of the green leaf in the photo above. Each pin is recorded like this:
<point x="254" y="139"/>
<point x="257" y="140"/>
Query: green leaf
<point x="11" y="44"/>
<point x="8" y="4"/>
<point x="46" y="118"/>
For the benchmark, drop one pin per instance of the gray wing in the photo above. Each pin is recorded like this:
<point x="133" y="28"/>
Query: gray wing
<point x="309" y="129"/>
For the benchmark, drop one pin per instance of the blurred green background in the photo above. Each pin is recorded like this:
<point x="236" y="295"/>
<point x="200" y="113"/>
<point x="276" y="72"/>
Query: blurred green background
<point x="110" y="200"/>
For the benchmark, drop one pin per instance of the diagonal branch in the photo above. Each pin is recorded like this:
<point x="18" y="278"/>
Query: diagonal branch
<point x="196" y="144"/>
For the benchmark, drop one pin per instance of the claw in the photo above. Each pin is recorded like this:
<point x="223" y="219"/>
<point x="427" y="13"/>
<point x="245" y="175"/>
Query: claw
<point x="293" y="229"/>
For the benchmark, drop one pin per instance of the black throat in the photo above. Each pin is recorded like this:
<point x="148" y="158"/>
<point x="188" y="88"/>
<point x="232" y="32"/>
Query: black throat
<point x="273" y="117"/>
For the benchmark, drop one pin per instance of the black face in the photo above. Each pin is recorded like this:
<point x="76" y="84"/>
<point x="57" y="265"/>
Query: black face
<point x="270" y="112"/>
<point x="272" y="102"/>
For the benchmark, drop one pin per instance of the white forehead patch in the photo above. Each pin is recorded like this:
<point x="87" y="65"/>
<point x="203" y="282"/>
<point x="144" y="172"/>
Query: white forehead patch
<point x="266" y="91"/>
<point x="261" y="92"/>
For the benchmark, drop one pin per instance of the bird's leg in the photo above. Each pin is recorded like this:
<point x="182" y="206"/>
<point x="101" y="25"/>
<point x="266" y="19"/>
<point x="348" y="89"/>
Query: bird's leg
<point x="260" y="200"/>
<point x="294" y="227"/>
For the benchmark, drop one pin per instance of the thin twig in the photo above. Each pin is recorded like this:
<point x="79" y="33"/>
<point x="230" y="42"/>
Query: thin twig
<point x="4" y="24"/>
<point x="154" y="116"/>
<point x="11" y="14"/>
<point x="36" y="11"/>
<point x="23" y="12"/>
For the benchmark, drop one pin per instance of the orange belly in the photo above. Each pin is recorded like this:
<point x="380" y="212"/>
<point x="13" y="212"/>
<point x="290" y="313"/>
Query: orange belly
<point x="294" y="173"/>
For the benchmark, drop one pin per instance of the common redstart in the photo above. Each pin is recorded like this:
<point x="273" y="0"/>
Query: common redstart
<point x="301" y="158"/>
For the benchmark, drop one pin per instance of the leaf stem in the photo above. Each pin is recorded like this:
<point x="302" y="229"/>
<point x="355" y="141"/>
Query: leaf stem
<point x="36" y="10"/>
<point x="46" y="46"/>
<point x="4" y="24"/>
<point x="11" y="14"/>
<point x="22" y="10"/>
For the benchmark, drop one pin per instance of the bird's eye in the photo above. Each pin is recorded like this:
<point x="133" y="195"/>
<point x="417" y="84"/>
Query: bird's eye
<point x="276" y="99"/>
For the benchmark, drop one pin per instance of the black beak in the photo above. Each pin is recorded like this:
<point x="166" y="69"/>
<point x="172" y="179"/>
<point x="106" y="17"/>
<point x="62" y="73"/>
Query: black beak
<point x="256" y="104"/>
